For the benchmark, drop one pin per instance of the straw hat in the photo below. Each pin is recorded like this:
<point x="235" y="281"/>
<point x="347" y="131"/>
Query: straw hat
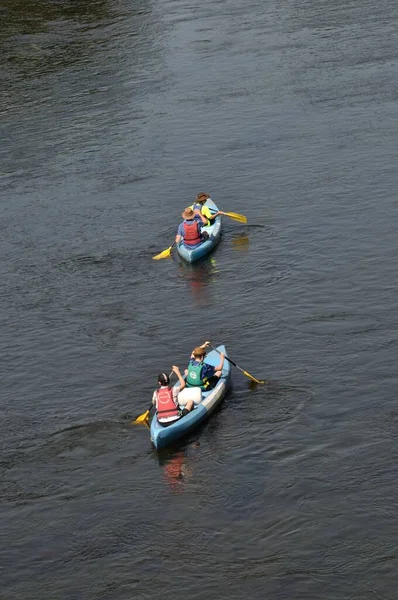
<point x="188" y="214"/>
<point x="202" y="197"/>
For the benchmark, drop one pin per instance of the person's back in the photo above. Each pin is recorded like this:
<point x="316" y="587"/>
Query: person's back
<point x="190" y="230"/>
<point x="165" y="399"/>
<point x="199" y="373"/>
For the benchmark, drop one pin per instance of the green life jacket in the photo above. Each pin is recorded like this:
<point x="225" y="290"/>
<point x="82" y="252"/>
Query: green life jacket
<point x="194" y="376"/>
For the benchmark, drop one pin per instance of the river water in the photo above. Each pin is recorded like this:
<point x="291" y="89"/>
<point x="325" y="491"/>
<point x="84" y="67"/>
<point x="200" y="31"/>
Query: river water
<point x="114" y="115"/>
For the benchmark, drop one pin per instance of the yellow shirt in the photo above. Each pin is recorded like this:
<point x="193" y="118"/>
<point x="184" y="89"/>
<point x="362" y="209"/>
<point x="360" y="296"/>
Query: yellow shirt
<point x="206" y="212"/>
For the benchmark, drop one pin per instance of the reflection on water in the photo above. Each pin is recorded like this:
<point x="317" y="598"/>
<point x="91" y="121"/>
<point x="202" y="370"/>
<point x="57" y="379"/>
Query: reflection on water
<point x="177" y="461"/>
<point x="176" y="471"/>
<point x="199" y="275"/>
<point x="240" y="241"/>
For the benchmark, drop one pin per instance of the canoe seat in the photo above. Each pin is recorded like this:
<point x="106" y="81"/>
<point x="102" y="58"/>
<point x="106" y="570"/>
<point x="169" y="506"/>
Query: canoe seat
<point x="190" y="393"/>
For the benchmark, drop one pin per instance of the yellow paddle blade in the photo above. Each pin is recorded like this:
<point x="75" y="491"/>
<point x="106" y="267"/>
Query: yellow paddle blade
<point x="142" y="418"/>
<point x="164" y="254"/>
<point x="253" y="378"/>
<point x="236" y="217"/>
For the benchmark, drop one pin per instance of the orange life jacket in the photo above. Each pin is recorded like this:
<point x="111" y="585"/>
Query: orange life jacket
<point x="191" y="233"/>
<point x="165" y="404"/>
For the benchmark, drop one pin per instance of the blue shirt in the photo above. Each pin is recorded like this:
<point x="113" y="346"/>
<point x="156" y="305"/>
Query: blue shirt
<point x="180" y="231"/>
<point x="207" y="370"/>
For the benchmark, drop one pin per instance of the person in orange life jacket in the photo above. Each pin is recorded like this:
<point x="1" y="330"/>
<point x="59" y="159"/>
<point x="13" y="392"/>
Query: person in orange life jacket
<point x="165" y="399"/>
<point x="203" y="212"/>
<point x="200" y="373"/>
<point x="190" y="230"/>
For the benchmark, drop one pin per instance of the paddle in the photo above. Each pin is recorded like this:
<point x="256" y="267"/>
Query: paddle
<point x="165" y="254"/>
<point x="144" y="417"/>
<point x="236" y="217"/>
<point x="235" y="365"/>
<point x="233" y="215"/>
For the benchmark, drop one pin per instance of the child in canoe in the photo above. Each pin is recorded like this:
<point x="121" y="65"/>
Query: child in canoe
<point x="165" y="399"/>
<point x="200" y="373"/>
<point x="202" y="212"/>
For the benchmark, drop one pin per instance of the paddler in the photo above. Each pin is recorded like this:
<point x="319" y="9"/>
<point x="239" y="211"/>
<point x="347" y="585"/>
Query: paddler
<point x="165" y="399"/>
<point x="190" y="230"/>
<point x="200" y="373"/>
<point x="202" y="212"/>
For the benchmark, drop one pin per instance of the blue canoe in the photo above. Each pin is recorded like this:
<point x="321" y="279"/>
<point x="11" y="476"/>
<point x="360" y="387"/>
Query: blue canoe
<point x="163" y="436"/>
<point x="214" y="232"/>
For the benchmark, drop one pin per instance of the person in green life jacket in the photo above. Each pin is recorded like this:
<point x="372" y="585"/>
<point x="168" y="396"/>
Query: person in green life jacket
<point x="200" y="373"/>
<point x="202" y="212"/>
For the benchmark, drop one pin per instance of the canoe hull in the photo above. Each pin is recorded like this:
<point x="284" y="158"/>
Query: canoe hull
<point x="163" y="436"/>
<point x="208" y="246"/>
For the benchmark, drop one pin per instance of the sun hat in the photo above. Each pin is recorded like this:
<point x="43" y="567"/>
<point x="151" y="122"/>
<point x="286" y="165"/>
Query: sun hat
<point x="202" y="197"/>
<point x="188" y="214"/>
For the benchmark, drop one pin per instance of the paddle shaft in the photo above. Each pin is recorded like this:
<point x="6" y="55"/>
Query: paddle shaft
<point x="228" y="359"/>
<point x="232" y="215"/>
<point x="238" y="367"/>
<point x="170" y="247"/>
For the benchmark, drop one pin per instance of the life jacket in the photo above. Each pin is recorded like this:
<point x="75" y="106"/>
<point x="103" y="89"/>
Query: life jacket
<point x="194" y="376"/>
<point x="191" y="233"/>
<point x="165" y="404"/>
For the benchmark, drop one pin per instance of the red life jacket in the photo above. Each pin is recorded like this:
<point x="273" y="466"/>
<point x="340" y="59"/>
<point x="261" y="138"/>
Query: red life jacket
<point x="165" y="404"/>
<point x="191" y="233"/>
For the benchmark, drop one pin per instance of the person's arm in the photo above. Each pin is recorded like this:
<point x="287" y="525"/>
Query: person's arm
<point x="177" y="371"/>
<point x="207" y="214"/>
<point x="203" y="218"/>
<point x="214" y="215"/>
<point x="154" y="398"/>
<point x="180" y="233"/>
<point x="219" y="367"/>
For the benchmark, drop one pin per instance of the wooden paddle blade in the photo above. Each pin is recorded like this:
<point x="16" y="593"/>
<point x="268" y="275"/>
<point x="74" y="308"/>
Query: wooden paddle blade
<point x="142" y="418"/>
<point x="253" y="378"/>
<point x="236" y="217"/>
<point x="164" y="254"/>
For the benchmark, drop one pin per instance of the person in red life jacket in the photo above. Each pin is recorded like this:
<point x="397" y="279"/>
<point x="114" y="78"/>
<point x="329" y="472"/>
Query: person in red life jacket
<point x="165" y="399"/>
<point x="190" y="230"/>
<point x="200" y="373"/>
